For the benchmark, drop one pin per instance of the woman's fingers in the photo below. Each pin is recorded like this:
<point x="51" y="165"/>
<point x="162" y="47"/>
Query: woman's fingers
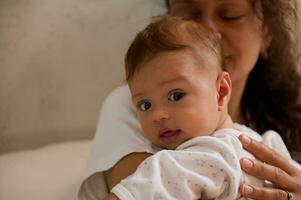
<point x="274" y="168"/>
<point x="266" y="154"/>
<point x="259" y="193"/>
<point x="267" y="172"/>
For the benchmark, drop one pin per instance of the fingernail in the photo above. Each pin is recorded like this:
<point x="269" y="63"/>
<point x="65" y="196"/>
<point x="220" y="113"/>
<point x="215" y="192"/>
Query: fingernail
<point x="247" y="164"/>
<point x="246" y="189"/>
<point x="245" y="140"/>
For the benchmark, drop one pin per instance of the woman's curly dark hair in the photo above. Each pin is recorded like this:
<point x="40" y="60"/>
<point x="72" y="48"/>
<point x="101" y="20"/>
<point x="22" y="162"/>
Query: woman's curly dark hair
<point x="271" y="99"/>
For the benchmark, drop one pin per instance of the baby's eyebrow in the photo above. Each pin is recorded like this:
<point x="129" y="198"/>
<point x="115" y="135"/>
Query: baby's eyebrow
<point x="177" y="79"/>
<point x="136" y="95"/>
<point x="162" y="83"/>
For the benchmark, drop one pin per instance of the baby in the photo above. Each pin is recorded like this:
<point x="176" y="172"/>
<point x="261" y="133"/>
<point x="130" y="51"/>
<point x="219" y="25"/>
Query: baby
<point x="174" y="69"/>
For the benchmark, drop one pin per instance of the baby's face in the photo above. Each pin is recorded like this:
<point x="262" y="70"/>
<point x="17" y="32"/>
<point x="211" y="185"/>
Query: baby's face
<point x="176" y="98"/>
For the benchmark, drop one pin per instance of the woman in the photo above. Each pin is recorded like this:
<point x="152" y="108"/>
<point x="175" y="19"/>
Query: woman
<point x="258" y="48"/>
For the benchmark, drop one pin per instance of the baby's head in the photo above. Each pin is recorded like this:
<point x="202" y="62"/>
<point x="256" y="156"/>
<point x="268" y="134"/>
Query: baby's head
<point x="174" y="71"/>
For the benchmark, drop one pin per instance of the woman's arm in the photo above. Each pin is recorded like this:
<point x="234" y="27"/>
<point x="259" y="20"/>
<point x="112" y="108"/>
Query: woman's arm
<point x="285" y="176"/>
<point x="123" y="168"/>
<point x="111" y="196"/>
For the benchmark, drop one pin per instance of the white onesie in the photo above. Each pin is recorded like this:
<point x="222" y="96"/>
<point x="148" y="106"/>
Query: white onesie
<point x="205" y="167"/>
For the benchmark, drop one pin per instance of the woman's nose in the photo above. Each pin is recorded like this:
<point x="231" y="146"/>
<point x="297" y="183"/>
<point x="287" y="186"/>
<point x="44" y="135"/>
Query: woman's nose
<point x="210" y="23"/>
<point x="159" y="115"/>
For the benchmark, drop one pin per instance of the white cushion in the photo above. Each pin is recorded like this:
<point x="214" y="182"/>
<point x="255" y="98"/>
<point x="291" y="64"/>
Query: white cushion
<point x="49" y="173"/>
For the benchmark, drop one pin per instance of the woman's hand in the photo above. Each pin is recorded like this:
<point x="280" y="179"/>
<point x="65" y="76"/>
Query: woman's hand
<point x="274" y="168"/>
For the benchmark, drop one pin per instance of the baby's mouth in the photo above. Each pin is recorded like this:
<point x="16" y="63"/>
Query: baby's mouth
<point x="169" y="136"/>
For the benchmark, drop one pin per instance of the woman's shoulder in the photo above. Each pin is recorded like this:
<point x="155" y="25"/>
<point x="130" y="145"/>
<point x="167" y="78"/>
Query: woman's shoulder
<point x="119" y="94"/>
<point x="247" y="131"/>
<point x="270" y="138"/>
<point x="118" y="102"/>
<point x="268" y="135"/>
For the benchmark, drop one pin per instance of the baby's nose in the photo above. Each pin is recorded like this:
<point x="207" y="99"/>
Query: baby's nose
<point x="159" y="115"/>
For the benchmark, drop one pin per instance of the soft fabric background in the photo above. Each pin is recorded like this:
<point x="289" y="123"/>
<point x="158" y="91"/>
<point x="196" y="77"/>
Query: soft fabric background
<point x="59" y="59"/>
<point x="52" y="172"/>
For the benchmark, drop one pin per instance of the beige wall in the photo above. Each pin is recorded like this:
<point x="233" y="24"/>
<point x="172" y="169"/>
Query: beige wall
<point x="58" y="60"/>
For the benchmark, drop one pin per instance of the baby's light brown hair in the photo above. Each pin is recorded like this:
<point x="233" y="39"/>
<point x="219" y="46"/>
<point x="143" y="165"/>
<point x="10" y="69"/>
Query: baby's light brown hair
<point x="170" y="33"/>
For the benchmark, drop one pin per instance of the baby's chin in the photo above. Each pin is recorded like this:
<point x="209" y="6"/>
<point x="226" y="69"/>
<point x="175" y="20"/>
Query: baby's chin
<point x="168" y="146"/>
<point x="175" y="145"/>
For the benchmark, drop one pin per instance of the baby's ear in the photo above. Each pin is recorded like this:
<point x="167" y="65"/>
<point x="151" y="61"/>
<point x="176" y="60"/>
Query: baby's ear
<point x="223" y="88"/>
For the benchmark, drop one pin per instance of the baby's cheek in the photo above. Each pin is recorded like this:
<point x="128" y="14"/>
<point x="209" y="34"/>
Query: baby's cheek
<point x="145" y="127"/>
<point x="198" y="124"/>
<point x="190" y="120"/>
<point x="148" y="131"/>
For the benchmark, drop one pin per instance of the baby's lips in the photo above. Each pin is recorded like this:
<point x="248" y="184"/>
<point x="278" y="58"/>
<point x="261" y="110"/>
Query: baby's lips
<point x="170" y="136"/>
<point x="164" y="131"/>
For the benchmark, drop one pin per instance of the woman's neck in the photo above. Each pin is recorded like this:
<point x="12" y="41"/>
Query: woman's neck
<point x="234" y="106"/>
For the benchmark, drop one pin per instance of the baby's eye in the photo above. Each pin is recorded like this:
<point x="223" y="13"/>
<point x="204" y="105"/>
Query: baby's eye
<point x="176" y="96"/>
<point x="144" y="106"/>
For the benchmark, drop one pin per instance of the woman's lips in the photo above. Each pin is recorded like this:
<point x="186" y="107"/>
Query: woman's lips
<point x="228" y="57"/>
<point x="169" y="136"/>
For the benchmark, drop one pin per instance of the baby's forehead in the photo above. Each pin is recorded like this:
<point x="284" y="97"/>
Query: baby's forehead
<point x="204" y="58"/>
<point x="188" y="61"/>
<point x="176" y="62"/>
